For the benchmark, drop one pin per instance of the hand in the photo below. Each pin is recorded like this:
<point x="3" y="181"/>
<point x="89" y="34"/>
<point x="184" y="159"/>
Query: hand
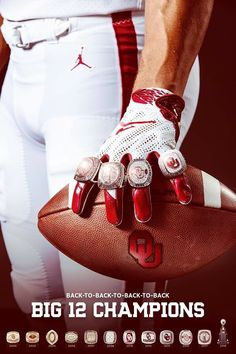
<point x="149" y="126"/>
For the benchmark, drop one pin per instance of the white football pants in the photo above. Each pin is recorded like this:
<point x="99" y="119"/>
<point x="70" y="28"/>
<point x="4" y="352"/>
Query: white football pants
<point x="51" y="114"/>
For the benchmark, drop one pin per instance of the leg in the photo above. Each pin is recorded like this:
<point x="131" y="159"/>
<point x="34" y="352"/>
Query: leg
<point x="77" y="125"/>
<point x="23" y="185"/>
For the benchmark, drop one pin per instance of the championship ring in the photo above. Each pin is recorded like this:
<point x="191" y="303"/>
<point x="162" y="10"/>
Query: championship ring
<point x="172" y="163"/>
<point x="71" y="337"/>
<point x="139" y="173"/>
<point x="204" y="337"/>
<point x="87" y="169"/>
<point x="111" y="175"/>
<point x="185" y="337"/>
<point x="52" y="337"/>
<point x="32" y="337"/>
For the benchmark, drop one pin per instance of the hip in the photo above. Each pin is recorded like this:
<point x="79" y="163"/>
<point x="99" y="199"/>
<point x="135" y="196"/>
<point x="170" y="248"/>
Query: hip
<point x="88" y="71"/>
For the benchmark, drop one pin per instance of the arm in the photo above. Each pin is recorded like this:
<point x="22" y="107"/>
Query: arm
<point x="174" y="32"/>
<point x="150" y="127"/>
<point x="4" y="56"/>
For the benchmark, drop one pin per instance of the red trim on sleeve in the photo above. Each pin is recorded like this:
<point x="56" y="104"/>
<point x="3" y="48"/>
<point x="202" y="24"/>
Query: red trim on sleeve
<point x="128" y="53"/>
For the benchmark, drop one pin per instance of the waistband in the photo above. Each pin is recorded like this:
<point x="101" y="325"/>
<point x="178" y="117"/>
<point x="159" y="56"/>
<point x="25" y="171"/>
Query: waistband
<point x="24" y="34"/>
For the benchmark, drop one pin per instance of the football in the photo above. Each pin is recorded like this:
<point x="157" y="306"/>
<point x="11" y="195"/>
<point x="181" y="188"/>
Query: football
<point x="177" y="240"/>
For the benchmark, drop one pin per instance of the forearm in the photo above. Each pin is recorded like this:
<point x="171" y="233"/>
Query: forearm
<point x="174" y="32"/>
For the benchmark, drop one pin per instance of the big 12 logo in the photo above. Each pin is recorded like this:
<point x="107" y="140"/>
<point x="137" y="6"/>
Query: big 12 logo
<point x="144" y="250"/>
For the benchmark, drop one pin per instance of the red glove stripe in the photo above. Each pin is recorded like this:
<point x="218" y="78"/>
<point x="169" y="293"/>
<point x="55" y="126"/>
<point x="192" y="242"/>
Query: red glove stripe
<point x="128" y="53"/>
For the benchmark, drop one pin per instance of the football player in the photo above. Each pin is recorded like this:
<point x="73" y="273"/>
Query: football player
<point x="81" y="73"/>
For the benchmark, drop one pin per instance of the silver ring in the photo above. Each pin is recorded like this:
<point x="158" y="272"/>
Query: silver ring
<point x="87" y="169"/>
<point x="139" y="173"/>
<point x="172" y="163"/>
<point x="111" y="175"/>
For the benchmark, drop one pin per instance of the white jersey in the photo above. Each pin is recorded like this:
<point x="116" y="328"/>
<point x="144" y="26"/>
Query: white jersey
<point x="16" y="10"/>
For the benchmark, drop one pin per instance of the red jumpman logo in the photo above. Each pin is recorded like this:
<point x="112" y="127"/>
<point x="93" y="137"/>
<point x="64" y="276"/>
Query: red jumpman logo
<point x="79" y="61"/>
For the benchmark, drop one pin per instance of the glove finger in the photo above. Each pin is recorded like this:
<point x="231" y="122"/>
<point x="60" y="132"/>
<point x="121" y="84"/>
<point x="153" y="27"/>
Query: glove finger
<point x="114" y="198"/>
<point x="114" y="205"/>
<point x="182" y="189"/>
<point x="111" y="179"/>
<point x="139" y="176"/>
<point x="80" y="196"/>
<point x="86" y="172"/>
<point x="172" y="164"/>
<point x="142" y="204"/>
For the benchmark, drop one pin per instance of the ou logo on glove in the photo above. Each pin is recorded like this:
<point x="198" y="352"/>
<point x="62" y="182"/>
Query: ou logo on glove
<point x="144" y="250"/>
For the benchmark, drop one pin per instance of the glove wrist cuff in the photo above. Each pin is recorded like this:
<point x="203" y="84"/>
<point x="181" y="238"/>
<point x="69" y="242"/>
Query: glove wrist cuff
<point x="170" y="105"/>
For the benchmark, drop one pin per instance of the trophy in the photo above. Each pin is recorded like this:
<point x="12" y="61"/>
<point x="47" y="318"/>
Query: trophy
<point x="223" y="340"/>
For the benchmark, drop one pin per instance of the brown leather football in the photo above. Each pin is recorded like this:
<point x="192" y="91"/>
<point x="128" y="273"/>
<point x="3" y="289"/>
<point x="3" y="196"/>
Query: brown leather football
<point x="177" y="240"/>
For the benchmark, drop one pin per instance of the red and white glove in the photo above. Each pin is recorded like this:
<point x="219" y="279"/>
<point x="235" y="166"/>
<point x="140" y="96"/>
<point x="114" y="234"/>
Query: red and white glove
<point x="149" y="126"/>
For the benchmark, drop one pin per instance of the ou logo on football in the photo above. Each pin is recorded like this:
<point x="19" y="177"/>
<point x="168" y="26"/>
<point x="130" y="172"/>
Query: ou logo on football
<point x="144" y="250"/>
